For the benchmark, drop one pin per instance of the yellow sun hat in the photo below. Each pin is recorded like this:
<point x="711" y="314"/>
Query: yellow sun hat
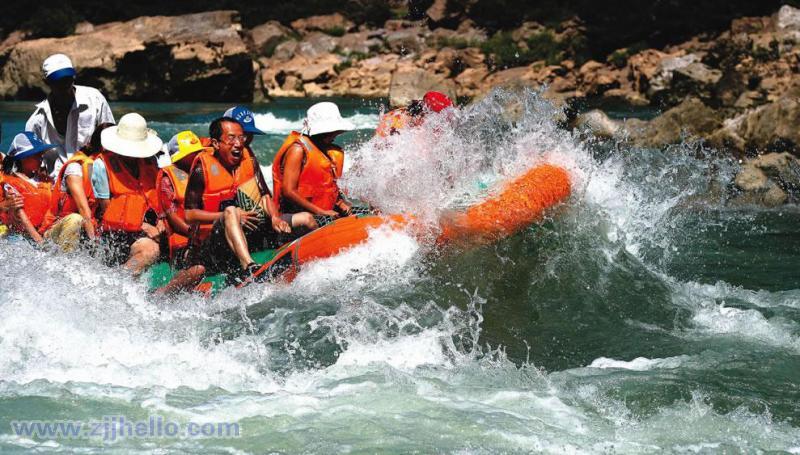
<point x="183" y="144"/>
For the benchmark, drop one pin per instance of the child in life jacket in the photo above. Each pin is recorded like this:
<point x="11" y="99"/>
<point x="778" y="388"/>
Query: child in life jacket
<point x="26" y="195"/>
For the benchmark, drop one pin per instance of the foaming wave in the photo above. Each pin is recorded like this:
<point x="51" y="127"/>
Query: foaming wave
<point x="97" y="325"/>
<point x="271" y="124"/>
<point x="638" y="364"/>
<point x="453" y="157"/>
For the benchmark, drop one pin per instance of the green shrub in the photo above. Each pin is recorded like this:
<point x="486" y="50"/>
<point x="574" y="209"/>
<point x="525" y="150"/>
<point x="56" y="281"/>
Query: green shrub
<point x="349" y="60"/>
<point x="335" y="31"/>
<point x="456" y="43"/>
<point x="504" y="52"/>
<point x="619" y="57"/>
<point x="544" y="46"/>
<point x="339" y="67"/>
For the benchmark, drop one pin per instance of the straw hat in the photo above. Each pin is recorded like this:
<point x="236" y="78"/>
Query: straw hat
<point x="131" y="138"/>
<point x="325" y="118"/>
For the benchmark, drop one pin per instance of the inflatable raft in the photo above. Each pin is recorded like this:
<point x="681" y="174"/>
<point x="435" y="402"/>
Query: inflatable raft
<point x="512" y="207"/>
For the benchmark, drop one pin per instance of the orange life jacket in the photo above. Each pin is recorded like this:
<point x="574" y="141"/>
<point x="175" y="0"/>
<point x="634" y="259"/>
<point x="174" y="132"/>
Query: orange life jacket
<point x="131" y="197"/>
<point x="317" y="180"/>
<point x="220" y="185"/>
<point x="3" y="213"/>
<point x="393" y="121"/>
<point x="179" y="180"/>
<point x="35" y="198"/>
<point x="61" y="203"/>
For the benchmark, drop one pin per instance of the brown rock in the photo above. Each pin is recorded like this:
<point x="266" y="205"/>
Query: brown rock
<point x="526" y="31"/>
<point x="644" y="66"/>
<point x="393" y="25"/>
<point x="286" y="50"/>
<point x="695" y="79"/>
<point x="371" y="77"/>
<point x="410" y="83"/>
<point x="771" y="180"/>
<point x="361" y="42"/>
<point x="596" y="78"/>
<point x="597" y="123"/>
<point x="13" y="38"/>
<point x="314" y="89"/>
<point x="749" y="25"/>
<point x="329" y="23"/>
<point x="471" y="33"/>
<point x="437" y="11"/>
<point x="406" y="41"/>
<point x="316" y="44"/>
<point x="772" y="127"/>
<point x="513" y="77"/>
<point x="689" y="120"/>
<point x="192" y="57"/>
<point x="787" y="23"/>
<point x="267" y="36"/>
<point x="469" y="82"/>
<point x="83" y="27"/>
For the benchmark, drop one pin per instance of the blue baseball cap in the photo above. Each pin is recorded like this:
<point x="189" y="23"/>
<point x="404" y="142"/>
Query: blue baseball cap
<point x="27" y="144"/>
<point x="245" y="117"/>
<point x="57" y="66"/>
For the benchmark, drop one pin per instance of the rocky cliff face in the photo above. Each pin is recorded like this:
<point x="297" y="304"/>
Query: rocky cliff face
<point x="193" y="57"/>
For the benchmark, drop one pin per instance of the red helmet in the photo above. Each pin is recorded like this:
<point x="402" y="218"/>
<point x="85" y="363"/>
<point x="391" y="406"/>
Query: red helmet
<point x="437" y="101"/>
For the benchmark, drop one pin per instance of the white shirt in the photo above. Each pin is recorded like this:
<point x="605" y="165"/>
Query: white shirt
<point x="72" y="169"/>
<point x="89" y="110"/>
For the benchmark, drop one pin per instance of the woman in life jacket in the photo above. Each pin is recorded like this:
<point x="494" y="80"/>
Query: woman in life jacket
<point x="23" y="184"/>
<point x="72" y="207"/>
<point x="124" y="184"/>
<point x="305" y="169"/>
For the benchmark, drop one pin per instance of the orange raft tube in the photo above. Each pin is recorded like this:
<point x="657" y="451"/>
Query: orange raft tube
<point x="516" y="205"/>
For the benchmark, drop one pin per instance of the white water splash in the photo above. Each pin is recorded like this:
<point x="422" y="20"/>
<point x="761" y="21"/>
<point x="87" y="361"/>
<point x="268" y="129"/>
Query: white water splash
<point x="271" y="124"/>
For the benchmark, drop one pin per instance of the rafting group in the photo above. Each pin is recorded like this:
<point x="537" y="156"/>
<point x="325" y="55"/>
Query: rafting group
<point x="75" y="179"/>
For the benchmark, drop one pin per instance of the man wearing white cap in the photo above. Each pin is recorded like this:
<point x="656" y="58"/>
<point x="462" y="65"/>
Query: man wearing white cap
<point x="124" y="184"/>
<point x="306" y="167"/>
<point x="69" y="114"/>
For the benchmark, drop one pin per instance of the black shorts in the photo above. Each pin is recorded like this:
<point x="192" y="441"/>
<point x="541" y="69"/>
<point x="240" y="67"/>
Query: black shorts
<point x="217" y="257"/>
<point x="116" y="246"/>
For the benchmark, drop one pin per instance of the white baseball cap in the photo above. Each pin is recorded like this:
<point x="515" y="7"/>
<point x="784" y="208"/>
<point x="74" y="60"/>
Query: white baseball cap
<point x="57" y="66"/>
<point x="325" y="118"/>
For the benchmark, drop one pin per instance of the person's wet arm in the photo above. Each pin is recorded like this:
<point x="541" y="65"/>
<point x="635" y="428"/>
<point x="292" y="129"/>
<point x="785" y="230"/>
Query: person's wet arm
<point x="100" y="187"/>
<point x="169" y="204"/>
<point x="193" y="202"/>
<point x="74" y="185"/>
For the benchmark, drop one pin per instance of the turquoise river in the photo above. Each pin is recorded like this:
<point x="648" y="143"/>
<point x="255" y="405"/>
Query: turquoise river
<point x="645" y="315"/>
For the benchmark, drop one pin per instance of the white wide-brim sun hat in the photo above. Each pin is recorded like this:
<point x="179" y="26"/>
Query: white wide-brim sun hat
<point x="131" y="137"/>
<point x="324" y="118"/>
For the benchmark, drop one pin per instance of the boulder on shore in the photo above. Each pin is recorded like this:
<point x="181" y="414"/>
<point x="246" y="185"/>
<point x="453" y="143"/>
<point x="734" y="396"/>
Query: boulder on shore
<point x="770" y="180"/>
<point x="411" y="83"/>
<point x="687" y="121"/>
<point x="192" y="57"/>
<point x="769" y="128"/>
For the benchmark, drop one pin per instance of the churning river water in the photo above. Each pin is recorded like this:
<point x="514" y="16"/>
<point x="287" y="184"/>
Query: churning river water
<point x="642" y="316"/>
